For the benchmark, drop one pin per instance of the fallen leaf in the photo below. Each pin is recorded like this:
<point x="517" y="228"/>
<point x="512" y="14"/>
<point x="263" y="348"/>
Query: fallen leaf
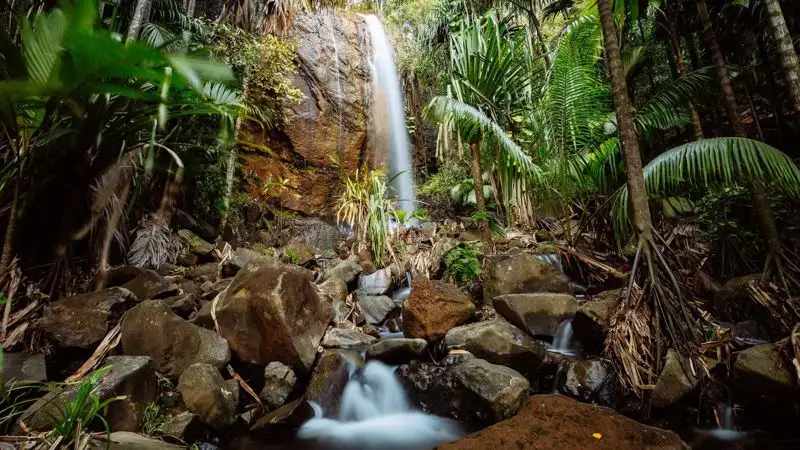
<point x="597" y="435"/>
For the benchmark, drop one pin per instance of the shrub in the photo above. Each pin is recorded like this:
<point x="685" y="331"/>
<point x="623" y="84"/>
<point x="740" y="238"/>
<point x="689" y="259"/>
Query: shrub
<point x="463" y="263"/>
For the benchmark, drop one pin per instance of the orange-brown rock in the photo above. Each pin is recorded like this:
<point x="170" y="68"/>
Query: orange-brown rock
<point x="434" y="308"/>
<point x="555" y="422"/>
<point x="273" y="312"/>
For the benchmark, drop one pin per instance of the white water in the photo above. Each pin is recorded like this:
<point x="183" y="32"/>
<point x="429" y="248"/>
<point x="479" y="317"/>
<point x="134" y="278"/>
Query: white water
<point x="375" y="414"/>
<point x="389" y="115"/>
<point x="563" y="340"/>
<point x="726" y="430"/>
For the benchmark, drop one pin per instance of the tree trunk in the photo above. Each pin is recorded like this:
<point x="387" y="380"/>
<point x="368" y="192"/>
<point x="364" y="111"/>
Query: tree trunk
<point x="634" y="173"/>
<point x="758" y="193"/>
<point x="141" y="14"/>
<point x="477" y="177"/>
<point x="788" y="54"/>
<point x="697" y="126"/>
<point x="533" y="23"/>
<point x="8" y="241"/>
<point x="190" y="6"/>
<point x="772" y="88"/>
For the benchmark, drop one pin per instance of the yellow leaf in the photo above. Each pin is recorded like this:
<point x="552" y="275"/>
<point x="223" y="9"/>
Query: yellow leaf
<point x="597" y="435"/>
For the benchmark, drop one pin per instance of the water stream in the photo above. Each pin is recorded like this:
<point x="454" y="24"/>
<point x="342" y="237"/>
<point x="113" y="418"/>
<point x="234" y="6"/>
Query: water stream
<point x="389" y="115"/>
<point x="375" y="414"/>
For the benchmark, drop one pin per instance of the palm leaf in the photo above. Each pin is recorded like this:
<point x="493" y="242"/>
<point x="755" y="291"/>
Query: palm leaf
<point x="42" y="42"/>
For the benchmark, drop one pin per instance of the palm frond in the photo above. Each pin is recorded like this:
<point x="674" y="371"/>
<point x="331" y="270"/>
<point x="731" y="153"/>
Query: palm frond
<point x="153" y="244"/>
<point x="668" y="107"/>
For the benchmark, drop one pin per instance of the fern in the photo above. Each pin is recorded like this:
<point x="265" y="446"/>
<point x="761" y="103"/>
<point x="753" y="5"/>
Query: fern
<point x="463" y="263"/>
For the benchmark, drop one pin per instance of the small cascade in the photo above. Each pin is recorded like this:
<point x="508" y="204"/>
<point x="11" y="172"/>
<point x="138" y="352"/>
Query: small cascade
<point x="726" y="430"/>
<point x="564" y="340"/>
<point x="389" y="115"/>
<point x="402" y="293"/>
<point x="375" y="414"/>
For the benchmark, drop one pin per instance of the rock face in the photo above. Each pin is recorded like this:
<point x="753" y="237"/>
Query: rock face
<point x="376" y="307"/>
<point x="539" y="314"/>
<point x="152" y="329"/>
<point x="498" y="342"/>
<point x="588" y="380"/>
<point x="133" y="377"/>
<point x="279" y="380"/>
<point x="465" y="388"/>
<point x="208" y="395"/>
<point x="674" y="383"/>
<point x="397" y="351"/>
<point x="274" y="313"/>
<point x="521" y="273"/>
<point x="433" y="308"/>
<point x="84" y="320"/>
<point x="557" y="422"/>
<point x="331" y="120"/>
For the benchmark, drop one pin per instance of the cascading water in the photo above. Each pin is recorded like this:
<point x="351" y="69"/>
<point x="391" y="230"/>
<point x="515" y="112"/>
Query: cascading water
<point x="375" y="414"/>
<point x="389" y="114"/>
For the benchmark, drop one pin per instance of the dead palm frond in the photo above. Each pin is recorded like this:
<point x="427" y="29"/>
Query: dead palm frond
<point x="154" y="243"/>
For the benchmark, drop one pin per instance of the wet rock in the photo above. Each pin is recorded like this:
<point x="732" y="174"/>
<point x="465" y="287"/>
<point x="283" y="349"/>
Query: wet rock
<point x="539" y="313"/>
<point x="498" y="391"/>
<point x="674" y="383"/>
<point x="279" y="380"/>
<point x="521" y="273"/>
<point x="498" y="342"/>
<point x="433" y="308"/>
<point x="126" y="440"/>
<point x="23" y="367"/>
<point x="203" y="272"/>
<point x="343" y="338"/>
<point x="274" y="313"/>
<point x="131" y="377"/>
<point x="243" y="257"/>
<point x="144" y="333"/>
<point x="762" y="375"/>
<point x="376" y="308"/>
<point x="588" y="380"/>
<point x="149" y="285"/>
<point x="208" y="395"/>
<point x="336" y="289"/>
<point x="84" y="320"/>
<point x="185" y="426"/>
<point x="195" y="243"/>
<point x="377" y="283"/>
<point x="346" y="271"/>
<point x="328" y="381"/>
<point x="397" y="351"/>
<point x="558" y="422"/>
<point x="593" y="318"/>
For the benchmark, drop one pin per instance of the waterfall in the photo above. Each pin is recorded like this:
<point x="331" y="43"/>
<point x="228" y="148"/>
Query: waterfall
<point x="375" y="414"/>
<point x="389" y="114"/>
<point x="564" y="341"/>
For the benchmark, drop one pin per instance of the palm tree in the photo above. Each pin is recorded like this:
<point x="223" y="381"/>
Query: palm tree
<point x="671" y="18"/>
<point x="788" y="54"/>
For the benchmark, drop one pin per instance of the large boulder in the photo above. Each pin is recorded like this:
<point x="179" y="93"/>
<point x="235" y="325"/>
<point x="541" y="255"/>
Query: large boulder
<point x="498" y="342"/>
<point x="521" y="273"/>
<point x="674" y="383"/>
<point x="152" y="329"/>
<point x="593" y="318"/>
<point x="465" y="388"/>
<point x="328" y="380"/>
<point x="762" y="375"/>
<point x="279" y="380"/>
<point x="539" y="313"/>
<point x="84" y="320"/>
<point x="132" y="378"/>
<point x="273" y="312"/>
<point x="433" y="308"/>
<point x="397" y="351"/>
<point x="558" y="422"/>
<point x="332" y="119"/>
<point x="208" y="395"/>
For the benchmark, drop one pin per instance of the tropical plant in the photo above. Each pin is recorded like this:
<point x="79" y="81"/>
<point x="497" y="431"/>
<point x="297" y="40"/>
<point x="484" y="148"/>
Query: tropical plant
<point x="364" y="205"/>
<point x="154" y="419"/>
<point x="78" y="415"/>
<point x="463" y="263"/>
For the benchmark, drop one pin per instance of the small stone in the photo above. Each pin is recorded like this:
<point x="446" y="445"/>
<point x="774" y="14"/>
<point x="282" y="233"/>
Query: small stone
<point x="196" y="244"/>
<point x="206" y="394"/>
<point x="131" y="441"/>
<point x="279" y="380"/>
<point x="335" y="288"/>
<point x="346" y="271"/>
<point x="185" y="426"/>
<point x="243" y="257"/>
<point x="377" y="283"/>
<point x="203" y="272"/>
<point x="376" y="308"/>
<point x="397" y="351"/>
<point x="150" y="285"/>
<point x="343" y="338"/>
<point x="588" y="380"/>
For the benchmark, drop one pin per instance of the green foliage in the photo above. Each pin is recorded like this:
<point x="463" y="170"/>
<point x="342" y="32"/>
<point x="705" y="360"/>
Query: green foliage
<point x="495" y="226"/>
<point x="463" y="263"/>
<point x="84" y="409"/>
<point x="438" y="187"/>
<point x="154" y="419"/>
<point x="365" y="207"/>
<point x="292" y="256"/>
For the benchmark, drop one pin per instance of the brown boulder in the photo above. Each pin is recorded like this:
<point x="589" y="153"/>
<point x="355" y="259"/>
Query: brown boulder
<point x="556" y="422"/>
<point x="521" y="273"/>
<point x="433" y="308"/>
<point x="273" y="312"/>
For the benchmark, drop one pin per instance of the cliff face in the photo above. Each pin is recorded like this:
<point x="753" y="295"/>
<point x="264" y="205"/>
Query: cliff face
<point x="329" y="127"/>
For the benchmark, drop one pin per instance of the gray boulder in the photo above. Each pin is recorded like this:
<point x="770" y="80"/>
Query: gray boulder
<point x="185" y="426"/>
<point x="761" y="375"/>
<point x="538" y="313"/>
<point x="377" y="283"/>
<point x="152" y="329"/>
<point x="397" y="351"/>
<point x="279" y="380"/>
<point x="588" y="380"/>
<point x="346" y="271"/>
<point x="376" y="308"/>
<point x="498" y="342"/>
<point x="674" y="383"/>
<point x="498" y="391"/>
<point x="346" y="338"/>
<point x="208" y="395"/>
<point x="521" y="273"/>
<point x="23" y="367"/>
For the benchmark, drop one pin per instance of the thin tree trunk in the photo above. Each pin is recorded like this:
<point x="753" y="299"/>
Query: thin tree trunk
<point x="758" y="193"/>
<point x="772" y="88"/>
<point x="477" y="177"/>
<point x="190" y="6"/>
<point x="634" y="173"/>
<point x="694" y="54"/>
<point x="697" y="126"/>
<point x="8" y="241"/>
<point x="533" y="22"/>
<point x="752" y="105"/>
<point x="141" y="14"/>
<point x="788" y="54"/>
